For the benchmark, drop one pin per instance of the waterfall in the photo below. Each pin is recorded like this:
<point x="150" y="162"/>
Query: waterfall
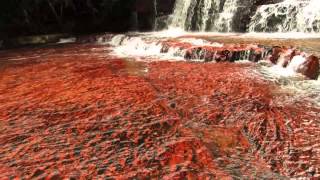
<point x="195" y="15"/>
<point x="309" y="18"/>
<point x="225" y="19"/>
<point x="287" y="16"/>
<point x="180" y="13"/>
<point x="246" y="16"/>
<point x="205" y="15"/>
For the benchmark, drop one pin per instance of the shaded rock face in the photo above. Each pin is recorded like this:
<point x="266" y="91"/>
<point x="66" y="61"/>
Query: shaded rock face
<point x="145" y="6"/>
<point x="34" y="17"/>
<point x="162" y="7"/>
<point x="153" y="14"/>
<point x="165" y="7"/>
<point x="164" y="10"/>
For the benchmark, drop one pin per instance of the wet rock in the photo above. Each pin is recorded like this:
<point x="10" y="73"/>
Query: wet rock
<point x="286" y="57"/>
<point x="161" y="22"/>
<point x="274" y="54"/>
<point x="137" y="132"/>
<point x="33" y="40"/>
<point x="222" y="54"/>
<point x="146" y="14"/>
<point x="37" y="173"/>
<point x="311" y="171"/>
<point x="55" y="176"/>
<point x="310" y="68"/>
<point x="173" y="105"/>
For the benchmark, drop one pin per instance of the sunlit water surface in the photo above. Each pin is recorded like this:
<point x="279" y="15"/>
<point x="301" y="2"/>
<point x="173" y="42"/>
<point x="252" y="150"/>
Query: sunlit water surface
<point x="118" y="108"/>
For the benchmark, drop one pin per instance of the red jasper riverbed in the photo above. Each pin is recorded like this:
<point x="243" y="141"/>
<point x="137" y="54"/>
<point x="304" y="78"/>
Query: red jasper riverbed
<point x="75" y="111"/>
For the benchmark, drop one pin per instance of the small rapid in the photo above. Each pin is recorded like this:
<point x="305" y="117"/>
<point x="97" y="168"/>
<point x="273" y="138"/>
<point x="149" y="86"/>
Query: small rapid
<point x="291" y="83"/>
<point x="142" y="47"/>
<point x="166" y="46"/>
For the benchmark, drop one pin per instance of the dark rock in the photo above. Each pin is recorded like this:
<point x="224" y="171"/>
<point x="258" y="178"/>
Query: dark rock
<point x="37" y="173"/>
<point x="55" y="176"/>
<point x="162" y="22"/>
<point x="146" y="14"/>
<point x="275" y="54"/>
<point x="310" y="67"/>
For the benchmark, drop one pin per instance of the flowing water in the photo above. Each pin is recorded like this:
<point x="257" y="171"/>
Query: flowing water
<point x="150" y="46"/>
<point x="224" y="21"/>
<point x="168" y="105"/>
<point x="287" y="16"/>
<point x="130" y="106"/>
<point x="199" y="15"/>
<point x="181" y="13"/>
<point x="235" y="15"/>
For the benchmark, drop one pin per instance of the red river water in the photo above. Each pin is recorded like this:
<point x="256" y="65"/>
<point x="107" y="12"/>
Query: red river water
<point x="78" y="111"/>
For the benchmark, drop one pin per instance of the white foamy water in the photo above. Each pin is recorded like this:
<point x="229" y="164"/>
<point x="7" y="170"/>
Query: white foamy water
<point x="140" y="48"/>
<point x="299" y="88"/>
<point x="199" y="42"/>
<point x="180" y="13"/>
<point x="67" y="40"/>
<point x="227" y="16"/>
<point x="293" y="83"/>
<point x="148" y="46"/>
<point x="287" y="16"/>
<point x="205" y="14"/>
<point x="224" y="21"/>
<point x="178" y="32"/>
<point x="289" y="35"/>
<point x="296" y="62"/>
<point x="214" y="15"/>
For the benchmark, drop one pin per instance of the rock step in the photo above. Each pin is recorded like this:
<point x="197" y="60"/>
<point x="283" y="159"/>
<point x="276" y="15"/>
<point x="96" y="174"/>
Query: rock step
<point x="305" y="64"/>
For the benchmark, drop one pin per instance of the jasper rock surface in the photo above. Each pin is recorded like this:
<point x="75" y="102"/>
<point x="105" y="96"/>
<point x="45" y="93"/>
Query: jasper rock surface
<point x="310" y="67"/>
<point x="76" y="111"/>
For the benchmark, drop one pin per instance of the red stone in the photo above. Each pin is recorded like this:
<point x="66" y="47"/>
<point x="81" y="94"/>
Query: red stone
<point x="287" y="56"/>
<point x="276" y="51"/>
<point x="310" y="68"/>
<point x="89" y="116"/>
